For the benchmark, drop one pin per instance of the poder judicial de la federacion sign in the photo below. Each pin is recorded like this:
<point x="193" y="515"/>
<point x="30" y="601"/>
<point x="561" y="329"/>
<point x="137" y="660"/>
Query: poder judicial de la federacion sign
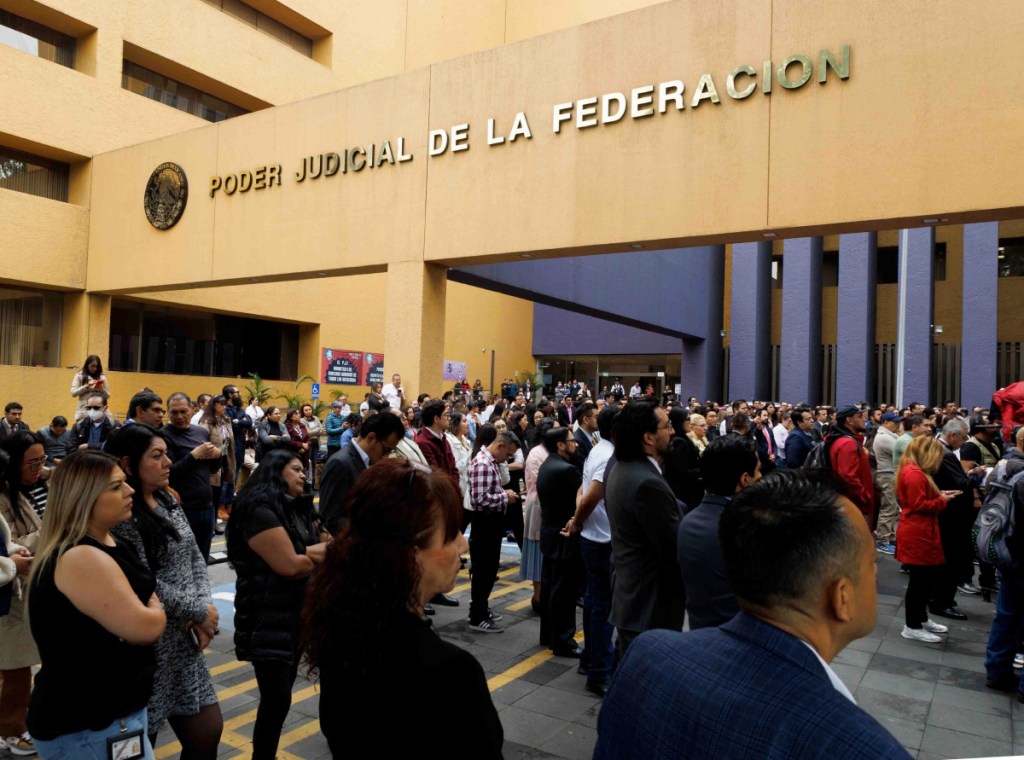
<point x="649" y="100"/>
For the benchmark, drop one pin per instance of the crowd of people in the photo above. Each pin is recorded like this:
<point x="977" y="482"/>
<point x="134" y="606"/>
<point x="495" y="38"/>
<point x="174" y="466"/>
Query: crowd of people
<point x="756" y="522"/>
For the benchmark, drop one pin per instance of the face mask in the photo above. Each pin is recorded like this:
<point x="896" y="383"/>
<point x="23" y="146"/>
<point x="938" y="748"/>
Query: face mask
<point x="95" y="414"/>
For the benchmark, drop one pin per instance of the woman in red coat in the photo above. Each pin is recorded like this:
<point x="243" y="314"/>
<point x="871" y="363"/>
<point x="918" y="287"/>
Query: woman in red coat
<point x="917" y="536"/>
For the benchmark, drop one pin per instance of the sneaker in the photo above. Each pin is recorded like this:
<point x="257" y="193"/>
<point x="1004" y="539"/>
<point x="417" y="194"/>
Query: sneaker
<point x="968" y="588"/>
<point x="1018" y="660"/>
<point x="933" y="627"/>
<point x="20" y="746"/>
<point x="885" y="548"/>
<point x="493" y="616"/>
<point x="486" y="626"/>
<point x="919" y="634"/>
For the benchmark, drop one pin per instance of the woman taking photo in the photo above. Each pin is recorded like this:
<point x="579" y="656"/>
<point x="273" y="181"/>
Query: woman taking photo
<point x="365" y="633"/>
<point x="94" y="614"/>
<point x="274" y="542"/>
<point x="160" y="534"/>
<point x="918" y="545"/>
<point x="24" y="457"/>
<point x="222" y="478"/>
<point x="88" y="380"/>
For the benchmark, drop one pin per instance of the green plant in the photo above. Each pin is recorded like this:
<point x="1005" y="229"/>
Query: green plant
<point x="295" y="399"/>
<point x="259" y="390"/>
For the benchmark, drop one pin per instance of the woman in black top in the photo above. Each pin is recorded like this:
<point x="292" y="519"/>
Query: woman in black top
<point x="364" y="628"/>
<point x="274" y="542"/>
<point x="94" y="614"/>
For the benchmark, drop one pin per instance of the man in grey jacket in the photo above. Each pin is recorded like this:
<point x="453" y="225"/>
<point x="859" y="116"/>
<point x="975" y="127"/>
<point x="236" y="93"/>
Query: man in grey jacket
<point x="889" y="510"/>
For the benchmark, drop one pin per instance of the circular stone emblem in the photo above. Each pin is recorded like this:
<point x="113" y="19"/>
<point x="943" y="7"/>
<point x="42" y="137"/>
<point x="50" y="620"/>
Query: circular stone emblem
<point x="166" y="195"/>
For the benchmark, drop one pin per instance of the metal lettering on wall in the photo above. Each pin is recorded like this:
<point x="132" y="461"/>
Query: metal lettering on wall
<point x="166" y="195"/>
<point x="641" y="102"/>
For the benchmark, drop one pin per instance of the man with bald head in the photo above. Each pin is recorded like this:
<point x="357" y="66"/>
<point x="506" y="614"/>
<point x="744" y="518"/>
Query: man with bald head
<point x="801" y="561"/>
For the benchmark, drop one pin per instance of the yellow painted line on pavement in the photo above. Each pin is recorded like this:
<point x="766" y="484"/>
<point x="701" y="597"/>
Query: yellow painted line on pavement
<point x="520" y="669"/>
<point x="522" y="605"/>
<point x="509" y="589"/>
<point x="503" y="574"/>
<point x="232" y="691"/>
<point x="226" y="667"/>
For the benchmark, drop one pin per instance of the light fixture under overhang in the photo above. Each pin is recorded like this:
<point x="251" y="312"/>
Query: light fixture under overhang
<point x="321" y="274"/>
<point x="526" y="255"/>
<point x="768" y="234"/>
<point x="930" y="220"/>
<point x="636" y="246"/>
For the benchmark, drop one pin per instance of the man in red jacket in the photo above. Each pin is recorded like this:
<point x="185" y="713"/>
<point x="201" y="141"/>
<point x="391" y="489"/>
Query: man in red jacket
<point x="850" y="463"/>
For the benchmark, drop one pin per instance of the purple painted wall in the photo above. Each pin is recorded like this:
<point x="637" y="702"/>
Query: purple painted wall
<point x="800" y="359"/>
<point x="980" y="305"/>
<point x="559" y="331"/>
<point x="750" y="321"/>
<point x="855" y="326"/>
<point x="917" y="257"/>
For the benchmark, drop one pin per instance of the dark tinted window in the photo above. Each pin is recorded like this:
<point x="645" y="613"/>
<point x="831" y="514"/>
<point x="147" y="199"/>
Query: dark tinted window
<point x="36" y="39"/>
<point x="33" y="174"/>
<point x="171" y="92"/>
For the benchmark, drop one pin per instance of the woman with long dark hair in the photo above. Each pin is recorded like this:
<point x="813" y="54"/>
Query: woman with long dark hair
<point x="159" y="532"/>
<point x="681" y="463"/>
<point x="25" y="457"/>
<point x="299" y="434"/>
<point x="364" y="630"/>
<point x="87" y="381"/>
<point x="274" y="543"/>
<point x="222" y="477"/>
<point x="95" y="615"/>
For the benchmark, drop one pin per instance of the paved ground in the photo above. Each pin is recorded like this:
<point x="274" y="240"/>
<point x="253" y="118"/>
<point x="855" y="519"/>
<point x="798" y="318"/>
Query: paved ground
<point x="932" y="697"/>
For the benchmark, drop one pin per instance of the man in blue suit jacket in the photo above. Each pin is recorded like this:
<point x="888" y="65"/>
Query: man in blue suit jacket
<point x="801" y="561"/>
<point x="799" y="441"/>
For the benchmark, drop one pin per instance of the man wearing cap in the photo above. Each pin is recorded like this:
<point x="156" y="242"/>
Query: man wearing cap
<point x="335" y="426"/>
<point x="885" y="442"/>
<point x="849" y="460"/>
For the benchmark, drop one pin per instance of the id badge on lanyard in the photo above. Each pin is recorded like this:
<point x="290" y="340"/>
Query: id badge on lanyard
<point x="127" y="745"/>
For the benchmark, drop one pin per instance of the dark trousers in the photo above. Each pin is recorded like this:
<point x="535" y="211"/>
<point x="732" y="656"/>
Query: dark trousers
<point x="919" y="590"/>
<point x="514" y="521"/>
<point x="625" y="638"/>
<point x="275" y="679"/>
<point x="485" y="554"/>
<point x="332" y="450"/>
<point x="597" y="601"/>
<point x="1007" y="627"/>
<point x="201" y="522"/>
<point x="955" y="533"/>
<point x="560" y="586"/>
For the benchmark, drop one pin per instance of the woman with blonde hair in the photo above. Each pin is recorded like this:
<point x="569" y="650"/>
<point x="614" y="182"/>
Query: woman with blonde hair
<point x="918" y="545"/>
<point x="94" y="614"/>
<point x="698" y="432"/>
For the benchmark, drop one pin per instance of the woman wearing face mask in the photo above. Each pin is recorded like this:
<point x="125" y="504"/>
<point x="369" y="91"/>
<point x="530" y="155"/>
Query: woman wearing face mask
<point x="274" y="543"/>
<point x="364" y="629"/>
<point x="159" y="532"/>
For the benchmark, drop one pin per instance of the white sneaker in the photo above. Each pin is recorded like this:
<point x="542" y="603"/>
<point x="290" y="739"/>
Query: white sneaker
<point x="933" y="627"/>
<point x="1018" y="660"/>
<point x="919" y="634"/>
<point x="21" y="746"/>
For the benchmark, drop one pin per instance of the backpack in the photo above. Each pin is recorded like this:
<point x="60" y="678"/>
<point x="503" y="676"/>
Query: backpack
<point x="817" y="458"/>
<point x="996" y="521"/>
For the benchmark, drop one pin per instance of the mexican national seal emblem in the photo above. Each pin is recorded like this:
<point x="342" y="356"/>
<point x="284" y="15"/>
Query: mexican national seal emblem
<point x="166" y="195"/>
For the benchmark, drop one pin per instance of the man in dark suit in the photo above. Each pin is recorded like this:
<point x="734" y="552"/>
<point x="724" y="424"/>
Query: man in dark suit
<point x="557" y="483"/>
<point x="566" y="411"/>
<point x="644" y="518"/>
<point x="801" y="561"/>
<point x="378" y="436"/>
<point x="728" y="466"/>
<point x="799" y="441"/>
<point x="586" y="434"/>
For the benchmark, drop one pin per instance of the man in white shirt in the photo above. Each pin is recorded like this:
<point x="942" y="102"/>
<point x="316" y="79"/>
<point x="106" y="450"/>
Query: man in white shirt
<point x="781" y="432"/>
<point x="394" y="393"/>
<point x="201" y="402"/>
<point x="591" y="521"/>
<point x="635" y="391"/>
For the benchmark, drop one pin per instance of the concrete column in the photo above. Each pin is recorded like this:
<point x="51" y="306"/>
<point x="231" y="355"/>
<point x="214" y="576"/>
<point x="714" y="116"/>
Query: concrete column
<point x="85" y="328"/>
<point x="750" y="321"/>
<point x="855" y="318"/>
<point x="980" y="314"/>
<point x="414" y="317"/>
<point x="702" y="359"/>
<point x="800" y="360"/>
<point x="914" y="319"/>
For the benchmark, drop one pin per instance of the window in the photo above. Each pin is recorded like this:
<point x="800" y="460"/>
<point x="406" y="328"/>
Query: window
<point x="34" y="175"/>
<point x="1011" y="257"/>
<point x="264" y="23"/>
<point x="888" y="266"/>
<point x="36" y="39"/>
<point x="30" y="327"/>
<point x="171" y="92"/>
<point x="152" y="338"/>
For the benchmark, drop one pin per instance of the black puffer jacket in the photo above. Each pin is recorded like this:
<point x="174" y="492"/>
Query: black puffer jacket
<point x="267" y="606"/>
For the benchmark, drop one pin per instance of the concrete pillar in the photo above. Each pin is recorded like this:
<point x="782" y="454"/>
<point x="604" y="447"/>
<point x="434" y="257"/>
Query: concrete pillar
<point x="414" y="317"/>
<point x="980" y="314"/>
<point x="702" y="359"/>
<point x="855" y="318"/>
<point x="85" y="328"/>
<point x="800" y="360"/>
<point x="914" y="319"/>
<point x="750" y="321"/>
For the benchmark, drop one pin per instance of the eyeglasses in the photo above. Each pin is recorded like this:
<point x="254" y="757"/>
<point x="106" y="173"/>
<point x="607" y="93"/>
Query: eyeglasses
<point x="666" y="426"/>
<point x="35" y="464"/>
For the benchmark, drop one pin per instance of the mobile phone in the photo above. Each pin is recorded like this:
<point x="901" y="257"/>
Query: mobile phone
<point x="193" y="638"/>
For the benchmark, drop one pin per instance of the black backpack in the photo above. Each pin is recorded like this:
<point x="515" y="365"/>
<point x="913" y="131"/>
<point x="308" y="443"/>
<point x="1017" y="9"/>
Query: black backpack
<point x="817" y="458"/>
<point x="995" y="525"/>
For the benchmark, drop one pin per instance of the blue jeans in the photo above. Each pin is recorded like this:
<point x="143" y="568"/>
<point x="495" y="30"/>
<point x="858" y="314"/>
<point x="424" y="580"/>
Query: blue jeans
<point x="597" y="600"/>
<point x="1004" y="637"/>
<point x="92" y="745"/>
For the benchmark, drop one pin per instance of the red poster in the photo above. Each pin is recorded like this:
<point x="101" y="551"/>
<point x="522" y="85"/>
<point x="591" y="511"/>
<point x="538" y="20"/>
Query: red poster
<point x="373" y="368"/>
<point x="340" y="367"/>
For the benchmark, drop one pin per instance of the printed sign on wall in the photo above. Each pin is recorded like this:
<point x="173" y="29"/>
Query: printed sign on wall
<point x="340" y="367"/>
<point x="454" y="371"/>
